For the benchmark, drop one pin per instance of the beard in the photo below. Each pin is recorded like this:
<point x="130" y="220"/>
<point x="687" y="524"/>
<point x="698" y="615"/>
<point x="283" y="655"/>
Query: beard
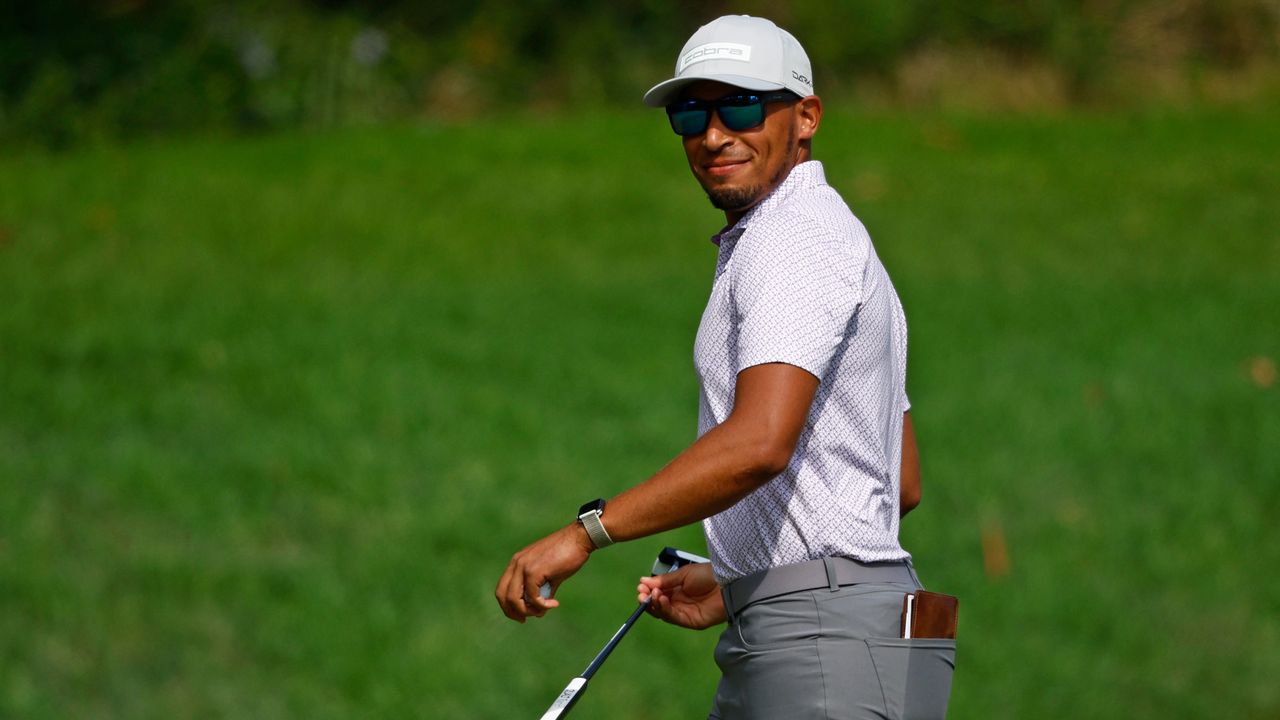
<point x="730" y="199"/>
<point x="744" y="198"/>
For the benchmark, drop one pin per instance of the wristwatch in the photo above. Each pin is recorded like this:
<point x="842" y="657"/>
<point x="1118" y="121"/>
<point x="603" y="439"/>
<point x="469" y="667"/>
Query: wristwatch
<point x="589" y="515"/>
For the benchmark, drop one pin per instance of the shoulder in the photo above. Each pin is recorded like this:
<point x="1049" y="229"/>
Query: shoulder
<point x="815" y="223"/>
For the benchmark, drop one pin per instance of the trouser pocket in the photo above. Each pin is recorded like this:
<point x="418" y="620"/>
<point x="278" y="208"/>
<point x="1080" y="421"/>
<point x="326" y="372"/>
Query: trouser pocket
<point x="783" y="681"/>
<point x="914" y="675"/>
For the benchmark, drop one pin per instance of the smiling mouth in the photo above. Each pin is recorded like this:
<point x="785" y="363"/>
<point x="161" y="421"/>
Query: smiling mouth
<point x="722" y="169"/>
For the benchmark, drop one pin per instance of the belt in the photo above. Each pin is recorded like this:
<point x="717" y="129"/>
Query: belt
<point x="827" y="572"/>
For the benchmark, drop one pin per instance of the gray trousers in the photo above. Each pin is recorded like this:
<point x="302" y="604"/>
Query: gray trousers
<point x="830" y="654"/>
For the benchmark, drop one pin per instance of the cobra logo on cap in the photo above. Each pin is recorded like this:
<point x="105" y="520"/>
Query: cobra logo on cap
<point x="715" y="51"/>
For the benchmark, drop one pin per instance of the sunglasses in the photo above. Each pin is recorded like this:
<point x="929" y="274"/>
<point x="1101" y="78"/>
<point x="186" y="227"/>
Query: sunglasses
<point x="737" y="112"/>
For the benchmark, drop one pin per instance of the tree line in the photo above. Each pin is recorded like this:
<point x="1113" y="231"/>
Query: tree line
<point x="76" y="70"/>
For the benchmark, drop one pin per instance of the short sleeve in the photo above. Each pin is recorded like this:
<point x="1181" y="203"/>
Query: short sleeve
<point x="796" y="292"/>
<point x="900" y="350"/>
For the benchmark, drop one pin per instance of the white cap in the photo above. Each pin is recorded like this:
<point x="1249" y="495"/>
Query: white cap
<point x="747" y="52"/>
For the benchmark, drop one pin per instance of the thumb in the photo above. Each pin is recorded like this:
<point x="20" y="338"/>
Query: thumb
<point x="650" y="584"/>
<point x="667" y="581"/>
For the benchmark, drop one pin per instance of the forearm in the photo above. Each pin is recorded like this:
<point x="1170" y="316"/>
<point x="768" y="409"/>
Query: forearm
<point x="909" y="477"/>
<point x="718" y="470"/>
<point x="742" y="453"/>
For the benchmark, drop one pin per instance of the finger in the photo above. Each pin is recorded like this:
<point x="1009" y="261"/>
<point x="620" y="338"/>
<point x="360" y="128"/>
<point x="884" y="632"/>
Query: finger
<point x="513" y="595"/>
<point x="664" y="609"/>
<point x="540" y="605"/>
<point x="655" y="606"/>
<point x="532" y="596"/>
<point x="500" y="592"/>
<point x="660" y="581"/>
<point x="512" y="607"/>
<point x="646" y="587"/>
<point x="550" y="596"/>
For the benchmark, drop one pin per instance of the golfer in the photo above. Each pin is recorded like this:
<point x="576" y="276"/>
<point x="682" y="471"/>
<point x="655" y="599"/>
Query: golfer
<point x="805" y="459"/>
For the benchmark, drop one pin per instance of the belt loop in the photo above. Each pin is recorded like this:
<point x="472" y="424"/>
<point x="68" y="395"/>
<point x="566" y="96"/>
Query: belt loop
<point x="830" y="567"/>
<point x="728" y="602"/>
<point x="911" y="568"/>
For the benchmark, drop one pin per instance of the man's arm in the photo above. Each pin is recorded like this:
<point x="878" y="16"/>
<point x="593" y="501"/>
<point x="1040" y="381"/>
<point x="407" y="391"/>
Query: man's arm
<point x="910" y="492"/>
<point x="751" y="447"/>
<point x="690" y="596"/>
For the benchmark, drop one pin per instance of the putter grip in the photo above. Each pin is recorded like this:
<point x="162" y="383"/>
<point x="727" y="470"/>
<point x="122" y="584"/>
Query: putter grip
<point x="565" y="701"/>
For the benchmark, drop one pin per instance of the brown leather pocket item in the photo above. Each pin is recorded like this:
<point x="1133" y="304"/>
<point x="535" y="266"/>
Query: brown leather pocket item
<point x="934" y="615"/>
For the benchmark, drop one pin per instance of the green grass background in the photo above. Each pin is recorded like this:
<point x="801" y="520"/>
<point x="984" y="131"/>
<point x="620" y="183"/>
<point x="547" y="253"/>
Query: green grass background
<point x="275" y="412"/>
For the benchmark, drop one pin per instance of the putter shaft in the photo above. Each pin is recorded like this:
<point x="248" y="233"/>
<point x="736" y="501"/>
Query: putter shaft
<point x="669" y="559"/>
<point x="613" y="642"/>
<point x="578" y="686"/>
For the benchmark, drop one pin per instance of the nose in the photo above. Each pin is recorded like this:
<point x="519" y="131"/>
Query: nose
<point x="717" y="136"/>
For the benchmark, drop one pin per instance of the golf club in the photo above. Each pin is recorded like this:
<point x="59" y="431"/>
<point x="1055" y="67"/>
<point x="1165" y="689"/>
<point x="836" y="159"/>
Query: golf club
<point x="669" y="559"/>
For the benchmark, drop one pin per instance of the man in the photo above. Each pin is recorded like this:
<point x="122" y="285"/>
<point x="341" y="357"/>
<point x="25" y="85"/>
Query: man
<point x="806" y="457"/>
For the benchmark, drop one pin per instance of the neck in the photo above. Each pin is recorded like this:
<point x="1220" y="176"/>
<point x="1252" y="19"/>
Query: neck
<point x="731" y="217"/>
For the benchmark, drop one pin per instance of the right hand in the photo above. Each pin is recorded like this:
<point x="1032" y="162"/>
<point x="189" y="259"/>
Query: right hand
<point x="688" y="597"/>
<point x="550" y="560"/>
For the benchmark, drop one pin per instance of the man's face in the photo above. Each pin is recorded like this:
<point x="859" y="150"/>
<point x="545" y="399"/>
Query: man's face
<point x="739" y="168"/>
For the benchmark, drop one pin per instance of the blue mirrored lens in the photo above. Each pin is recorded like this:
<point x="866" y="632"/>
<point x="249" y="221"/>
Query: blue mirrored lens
<point x="741" y="117"/>
<point x="689" y="122"/>
<point x="737" y="112"/>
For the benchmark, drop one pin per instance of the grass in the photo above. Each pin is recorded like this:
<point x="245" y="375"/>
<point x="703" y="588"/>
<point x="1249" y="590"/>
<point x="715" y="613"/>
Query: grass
<point x="275" y="412"/>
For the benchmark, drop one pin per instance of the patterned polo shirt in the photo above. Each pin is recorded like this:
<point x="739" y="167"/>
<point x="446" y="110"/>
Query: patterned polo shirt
<point x="797" y="281"/>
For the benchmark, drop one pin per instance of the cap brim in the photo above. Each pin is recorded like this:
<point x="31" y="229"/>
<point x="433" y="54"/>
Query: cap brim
<point x="667" y="92"/>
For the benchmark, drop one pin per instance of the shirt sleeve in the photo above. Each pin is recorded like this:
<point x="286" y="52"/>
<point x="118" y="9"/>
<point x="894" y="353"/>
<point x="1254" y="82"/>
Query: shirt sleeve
<point x="797" y="289"/>
<point x="900" y="350"/>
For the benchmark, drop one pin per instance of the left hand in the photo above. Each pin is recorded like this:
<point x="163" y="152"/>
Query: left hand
<point x="688" y="597"/>
<point x="552" y="559"/>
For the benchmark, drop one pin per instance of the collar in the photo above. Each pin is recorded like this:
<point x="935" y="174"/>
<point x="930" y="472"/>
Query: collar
<point x="806" y="174"/>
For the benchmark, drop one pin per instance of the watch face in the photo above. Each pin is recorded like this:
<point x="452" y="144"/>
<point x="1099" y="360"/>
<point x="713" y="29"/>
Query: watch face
<point x="596" y="505"/>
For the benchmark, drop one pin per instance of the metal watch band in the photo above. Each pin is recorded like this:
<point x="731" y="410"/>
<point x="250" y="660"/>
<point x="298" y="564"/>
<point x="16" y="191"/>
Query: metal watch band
<point x="595" y="529"/>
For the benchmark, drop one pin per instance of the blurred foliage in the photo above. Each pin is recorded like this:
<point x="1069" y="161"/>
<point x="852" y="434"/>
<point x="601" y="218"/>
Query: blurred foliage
<point x="75" y="70"/>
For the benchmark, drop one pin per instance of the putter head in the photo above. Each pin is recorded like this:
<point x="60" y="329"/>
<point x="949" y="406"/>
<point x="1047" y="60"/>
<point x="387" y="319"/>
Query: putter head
<point x="671" y="559"/>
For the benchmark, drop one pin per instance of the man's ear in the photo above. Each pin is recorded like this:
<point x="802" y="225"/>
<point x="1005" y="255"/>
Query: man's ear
<point x="809" y="115"/>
